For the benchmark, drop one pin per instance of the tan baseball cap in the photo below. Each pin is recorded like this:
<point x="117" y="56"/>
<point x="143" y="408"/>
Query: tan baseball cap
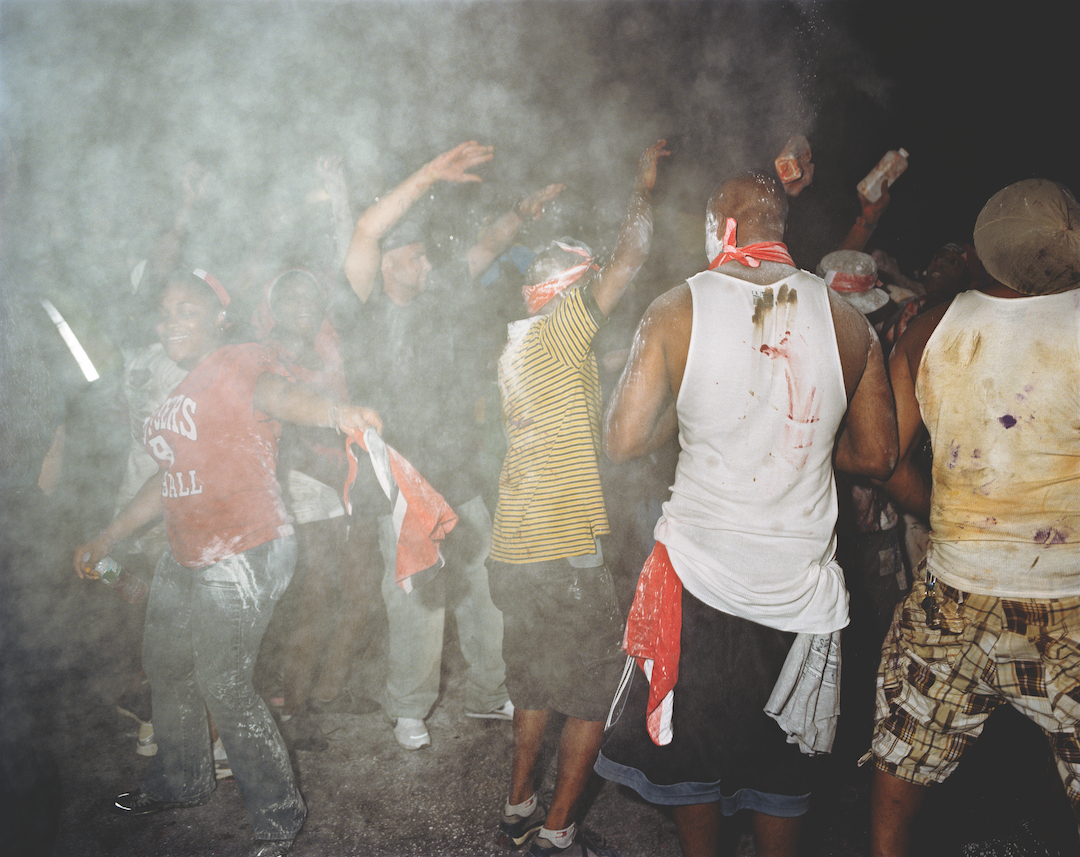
<point x="1028" y="237"/>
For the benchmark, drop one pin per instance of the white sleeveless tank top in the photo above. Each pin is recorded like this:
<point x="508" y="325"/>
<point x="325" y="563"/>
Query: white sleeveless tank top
<point x="750" y="523"/>
<point x="999" y="390"/>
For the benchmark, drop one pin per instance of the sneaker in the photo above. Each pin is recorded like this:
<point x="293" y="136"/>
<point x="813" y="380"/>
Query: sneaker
<point x="503" y="712"/>
<point x="139" y="802"/>
<point x="222" y="768"/>
<point x="301" y="732"/>
<point x="515" y="831"/>
<point x="411" y="733"/>
<point x="146" y="745"/>
<point x="271" y="848"/>
<point x="135" y="703"/>
<point x="585" y="844"/>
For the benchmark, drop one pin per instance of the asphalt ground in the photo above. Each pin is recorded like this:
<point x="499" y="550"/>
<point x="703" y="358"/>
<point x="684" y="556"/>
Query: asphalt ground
<point x="68" y="751"/>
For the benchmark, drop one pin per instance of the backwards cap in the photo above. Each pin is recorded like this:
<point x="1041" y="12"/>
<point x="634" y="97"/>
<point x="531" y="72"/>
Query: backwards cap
<point x="1028" y="237"/>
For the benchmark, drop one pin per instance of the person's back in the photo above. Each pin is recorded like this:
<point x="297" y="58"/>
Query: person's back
<point x="1002" y="414"/>
<point x="753" y="507"/>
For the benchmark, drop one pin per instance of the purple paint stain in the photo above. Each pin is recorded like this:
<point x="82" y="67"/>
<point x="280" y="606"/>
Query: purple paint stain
<point x="1008" y="421"/>
<point x="1049" y="536"/>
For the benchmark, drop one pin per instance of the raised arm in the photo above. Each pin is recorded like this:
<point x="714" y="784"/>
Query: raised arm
<point x="641" y="415"/>
<point x="635" y="235"/>
<point x="867" y="221"/>
<point x="494" y="240"/>
<point x="363" y="256"/>
<point x="867" y="442"/>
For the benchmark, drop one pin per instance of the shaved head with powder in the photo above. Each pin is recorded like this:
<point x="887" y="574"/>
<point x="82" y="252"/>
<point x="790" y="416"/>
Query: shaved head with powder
<point x="756" y="201"/>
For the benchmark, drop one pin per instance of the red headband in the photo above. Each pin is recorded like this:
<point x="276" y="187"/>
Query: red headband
<point x="752" y="255"/>
<point x="214" y="283"/>
<point x="539" y="294"/>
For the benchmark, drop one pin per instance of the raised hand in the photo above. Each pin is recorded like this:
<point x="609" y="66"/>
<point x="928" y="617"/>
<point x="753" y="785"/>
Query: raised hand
<point x="532" y="206"/>
<point x="647" y="163"/>
<point x="454" y="166"/>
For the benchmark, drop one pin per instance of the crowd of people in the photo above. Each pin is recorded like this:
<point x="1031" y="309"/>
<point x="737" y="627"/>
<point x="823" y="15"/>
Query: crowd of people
<point x="871" y="475"/>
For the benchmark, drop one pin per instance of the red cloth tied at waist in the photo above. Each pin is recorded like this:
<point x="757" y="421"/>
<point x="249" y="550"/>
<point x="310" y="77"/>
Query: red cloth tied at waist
<point x="653" y="630"/>
<point x="752" y="255"/>
<point x="422" y="518"/>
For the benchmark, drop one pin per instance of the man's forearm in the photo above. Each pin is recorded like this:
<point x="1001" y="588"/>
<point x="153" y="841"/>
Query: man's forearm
<point x="631" y="251"/>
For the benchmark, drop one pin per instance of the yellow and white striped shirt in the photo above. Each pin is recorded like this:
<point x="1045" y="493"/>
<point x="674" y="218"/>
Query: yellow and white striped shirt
<point x="550" y="501"/>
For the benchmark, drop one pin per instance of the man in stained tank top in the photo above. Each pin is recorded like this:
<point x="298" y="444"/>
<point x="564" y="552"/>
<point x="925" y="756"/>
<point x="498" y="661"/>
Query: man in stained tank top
<point x="768" y="379"/>
<point x="994" y="614"/>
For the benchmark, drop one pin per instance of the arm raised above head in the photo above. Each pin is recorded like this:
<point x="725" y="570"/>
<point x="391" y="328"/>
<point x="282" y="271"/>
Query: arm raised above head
<point x="635" y="235"/>
<point x="641" y="415"/>
<point x="363" y="257"/>
<point x="867" y="443"/>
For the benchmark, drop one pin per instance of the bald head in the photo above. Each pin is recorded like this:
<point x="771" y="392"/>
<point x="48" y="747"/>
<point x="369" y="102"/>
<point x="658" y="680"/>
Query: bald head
<point x="757" y="202"/>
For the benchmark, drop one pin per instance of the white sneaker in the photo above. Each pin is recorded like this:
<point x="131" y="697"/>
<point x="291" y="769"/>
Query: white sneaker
<point x="146" y="745"/>
<point x="411" y="733"/>
<point x="503" y="712"/>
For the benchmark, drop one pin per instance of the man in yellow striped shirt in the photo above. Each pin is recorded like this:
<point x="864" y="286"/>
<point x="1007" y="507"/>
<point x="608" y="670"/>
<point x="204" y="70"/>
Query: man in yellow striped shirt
<point x="563" y="628"/>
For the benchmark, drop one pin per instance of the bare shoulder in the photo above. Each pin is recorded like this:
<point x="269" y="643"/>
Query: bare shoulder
<point x="672" y="311"/>
<point x="854" y="338"/>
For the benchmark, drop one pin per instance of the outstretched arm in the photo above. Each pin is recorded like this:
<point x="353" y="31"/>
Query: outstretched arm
<point x="144" y="507"/>
<point x="635" y="236"/>
<point x="494" y="240"/>
<point x="363" y="256"/>
<point x="284" y="400"/>
<point x="866" y="222"/>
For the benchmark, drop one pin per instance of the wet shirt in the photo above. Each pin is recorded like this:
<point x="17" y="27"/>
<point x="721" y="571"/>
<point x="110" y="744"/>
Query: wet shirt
<point x="220" y="494"/>
<point x="550" y="502"/>
<point x="999" y="391"/>
<point x="750" y="524"/>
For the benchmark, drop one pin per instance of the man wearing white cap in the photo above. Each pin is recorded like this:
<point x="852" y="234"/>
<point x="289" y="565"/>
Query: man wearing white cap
<point x="994" y="615"/>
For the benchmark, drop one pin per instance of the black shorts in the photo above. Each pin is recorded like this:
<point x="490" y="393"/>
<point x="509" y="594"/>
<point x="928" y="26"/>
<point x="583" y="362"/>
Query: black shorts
<point x="562" y="636"/>
<point x="725" y="747"/>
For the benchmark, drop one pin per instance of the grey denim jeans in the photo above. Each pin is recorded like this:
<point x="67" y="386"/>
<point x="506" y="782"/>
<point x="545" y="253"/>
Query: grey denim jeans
<point x="203" y="629"/>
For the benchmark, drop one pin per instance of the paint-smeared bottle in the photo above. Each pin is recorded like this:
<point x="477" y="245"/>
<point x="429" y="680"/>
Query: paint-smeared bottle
<point x="888" y="169"/>
<point x="128" y="586"/>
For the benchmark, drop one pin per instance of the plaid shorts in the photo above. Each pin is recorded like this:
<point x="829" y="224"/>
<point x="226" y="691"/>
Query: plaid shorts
<point x="939" y="680"/>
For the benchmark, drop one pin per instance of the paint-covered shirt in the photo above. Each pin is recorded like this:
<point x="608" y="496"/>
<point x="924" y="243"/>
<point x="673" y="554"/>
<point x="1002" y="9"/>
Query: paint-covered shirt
<point x="550" y="502"/>
<point x="999" y="391"/>
<point x="219" y="489"/>
<point x="750" y="524"/>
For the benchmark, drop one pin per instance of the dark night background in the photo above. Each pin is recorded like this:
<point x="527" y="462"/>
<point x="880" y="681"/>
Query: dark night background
<point x="103" y="103"/>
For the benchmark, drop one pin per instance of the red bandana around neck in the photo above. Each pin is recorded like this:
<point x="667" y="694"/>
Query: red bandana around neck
<point x="752" y="255"/>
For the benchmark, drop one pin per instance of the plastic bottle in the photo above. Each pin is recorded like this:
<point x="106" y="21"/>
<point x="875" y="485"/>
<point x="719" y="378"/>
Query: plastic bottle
<point x="887" y="170"/>
<point x="128" y="586"/>
<point x="792" y="161"/>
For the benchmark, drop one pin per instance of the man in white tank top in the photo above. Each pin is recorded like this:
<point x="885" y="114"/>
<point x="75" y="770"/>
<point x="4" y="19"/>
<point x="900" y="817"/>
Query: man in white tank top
<point x="994" y="615"/>
<point x="768" y="379"/>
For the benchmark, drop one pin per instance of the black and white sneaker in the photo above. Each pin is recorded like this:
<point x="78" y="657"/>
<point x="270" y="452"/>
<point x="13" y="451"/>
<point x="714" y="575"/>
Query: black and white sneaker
<point x="139" y="802"/>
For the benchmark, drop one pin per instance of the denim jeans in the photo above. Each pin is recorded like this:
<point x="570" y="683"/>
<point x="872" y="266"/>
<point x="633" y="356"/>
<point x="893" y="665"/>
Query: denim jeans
<point x="203" y="629"/>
